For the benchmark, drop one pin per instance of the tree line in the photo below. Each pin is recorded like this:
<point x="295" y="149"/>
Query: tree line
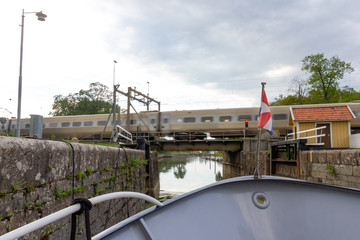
<point x="95" y="100"/>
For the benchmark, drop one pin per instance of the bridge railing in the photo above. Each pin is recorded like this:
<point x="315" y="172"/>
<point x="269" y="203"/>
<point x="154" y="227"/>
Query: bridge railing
<point x="187" y="135"/>
<point x="191" y="135"/>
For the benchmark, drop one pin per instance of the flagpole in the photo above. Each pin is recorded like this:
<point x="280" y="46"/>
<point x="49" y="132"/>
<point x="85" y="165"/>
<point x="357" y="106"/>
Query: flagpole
<point x="257" y="169"/>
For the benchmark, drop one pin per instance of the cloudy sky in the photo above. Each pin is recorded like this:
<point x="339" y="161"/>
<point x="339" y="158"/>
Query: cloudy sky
<point x="195" y="54"/>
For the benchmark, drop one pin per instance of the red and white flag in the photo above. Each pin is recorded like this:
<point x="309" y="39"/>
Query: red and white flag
<point x="265" y="120"/>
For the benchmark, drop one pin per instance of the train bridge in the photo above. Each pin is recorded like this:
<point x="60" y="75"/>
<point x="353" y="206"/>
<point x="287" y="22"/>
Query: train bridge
<point x="227" y="145"/>
<point x="232" y="145"/>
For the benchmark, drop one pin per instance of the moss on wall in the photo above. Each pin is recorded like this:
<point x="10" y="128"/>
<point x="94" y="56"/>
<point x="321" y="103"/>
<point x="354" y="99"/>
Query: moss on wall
<point x="37" y="176"/>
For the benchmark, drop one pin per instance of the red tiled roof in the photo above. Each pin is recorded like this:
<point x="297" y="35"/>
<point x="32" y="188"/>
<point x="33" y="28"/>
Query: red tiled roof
<point x="322" y="113"/>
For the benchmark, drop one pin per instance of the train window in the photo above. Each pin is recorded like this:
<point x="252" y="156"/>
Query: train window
<point x="88" y="124"/>
<point x="153" y="121"/>
<point x="356" y="113"/>
<point x="243" y="117"/>
<point x="165" y="120"/>
<point x="112" y="122"/>
<point x="76" y="124"/>
<point x="189" y="120"/>
<point x="65" y="124"/>
<point x="207" y="119"/>
<point x="179" y="120"/>
<point x="13" y="126"/>
<point x="53" y="125"/>
<point x="101" y="123"/>
<point x="133" y="121"/>
<point x="280" y="116"/>
<point x="225" y="118"/>
<point x="27" y="125"/>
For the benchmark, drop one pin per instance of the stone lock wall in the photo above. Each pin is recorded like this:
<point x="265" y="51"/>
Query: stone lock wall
<point x="36" y="178"/>
<point x="336" y="167"/>
<point x="244" y="163"/>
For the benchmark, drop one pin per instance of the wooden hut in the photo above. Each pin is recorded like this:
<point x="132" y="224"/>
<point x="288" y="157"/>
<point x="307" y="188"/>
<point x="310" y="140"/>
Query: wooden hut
<point x="336" y="119"/>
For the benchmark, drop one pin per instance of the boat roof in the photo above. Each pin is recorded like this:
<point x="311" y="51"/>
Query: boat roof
<point x="249" y="208"/>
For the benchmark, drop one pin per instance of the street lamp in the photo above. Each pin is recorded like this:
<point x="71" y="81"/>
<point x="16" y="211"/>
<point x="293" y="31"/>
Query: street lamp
<point x="148" y="103"/>
<point x="41" y="17"/>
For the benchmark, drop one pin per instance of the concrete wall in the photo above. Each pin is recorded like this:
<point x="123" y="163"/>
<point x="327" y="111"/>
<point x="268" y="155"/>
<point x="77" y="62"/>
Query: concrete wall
<point x="36" y="179"/>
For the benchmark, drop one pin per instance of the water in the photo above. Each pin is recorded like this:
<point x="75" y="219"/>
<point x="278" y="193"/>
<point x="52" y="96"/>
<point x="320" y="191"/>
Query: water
<point x="184" y="173"/>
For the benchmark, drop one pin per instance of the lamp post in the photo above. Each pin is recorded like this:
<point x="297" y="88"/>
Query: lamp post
<point x="148" y="103"/>
<point x="41" y="17"/>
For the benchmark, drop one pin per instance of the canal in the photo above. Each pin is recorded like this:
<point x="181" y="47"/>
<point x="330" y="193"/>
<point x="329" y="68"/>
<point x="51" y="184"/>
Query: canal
<point x="183" y="173"/>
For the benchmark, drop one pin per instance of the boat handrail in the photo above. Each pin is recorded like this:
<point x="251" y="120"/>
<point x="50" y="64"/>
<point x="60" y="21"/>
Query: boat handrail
<point x="42" y="222"/>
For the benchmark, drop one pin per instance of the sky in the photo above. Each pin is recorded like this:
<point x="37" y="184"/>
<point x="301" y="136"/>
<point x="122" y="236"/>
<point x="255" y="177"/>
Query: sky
<point x="195" y="54"/>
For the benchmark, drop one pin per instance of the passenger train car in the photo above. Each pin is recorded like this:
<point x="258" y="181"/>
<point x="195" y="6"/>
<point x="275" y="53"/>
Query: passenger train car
<point x="179" y="124"/>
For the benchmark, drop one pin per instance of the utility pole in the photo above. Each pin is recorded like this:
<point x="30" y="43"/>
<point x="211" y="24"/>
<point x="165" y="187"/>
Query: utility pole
<point x="114" y="103"/>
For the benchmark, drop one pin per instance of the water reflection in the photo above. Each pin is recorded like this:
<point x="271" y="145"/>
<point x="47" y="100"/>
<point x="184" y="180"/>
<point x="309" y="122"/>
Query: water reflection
<point x="180" y="171"/>
<point x="185" y="173"/>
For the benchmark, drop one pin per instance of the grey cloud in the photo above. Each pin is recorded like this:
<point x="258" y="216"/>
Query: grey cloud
<point x="234" y="41"/>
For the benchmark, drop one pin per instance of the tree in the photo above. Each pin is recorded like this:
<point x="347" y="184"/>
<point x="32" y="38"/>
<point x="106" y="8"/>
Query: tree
<point x="97" y="99"/>
<point x="288" y="100"/>
<point x="325" y="76"/>
<point x="348" y="94"/>
<point x="300" y="90"/>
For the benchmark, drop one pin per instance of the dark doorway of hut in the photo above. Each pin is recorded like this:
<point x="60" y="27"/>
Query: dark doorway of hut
<point x="326" y="139"/>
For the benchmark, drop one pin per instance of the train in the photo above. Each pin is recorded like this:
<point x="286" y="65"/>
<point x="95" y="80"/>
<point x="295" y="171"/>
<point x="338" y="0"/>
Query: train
<point x="190" y="124"/>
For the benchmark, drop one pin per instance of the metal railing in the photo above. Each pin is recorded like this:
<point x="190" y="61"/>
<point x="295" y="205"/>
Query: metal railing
<point x="296" y="135"/>
<point x="123" y="134"/>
